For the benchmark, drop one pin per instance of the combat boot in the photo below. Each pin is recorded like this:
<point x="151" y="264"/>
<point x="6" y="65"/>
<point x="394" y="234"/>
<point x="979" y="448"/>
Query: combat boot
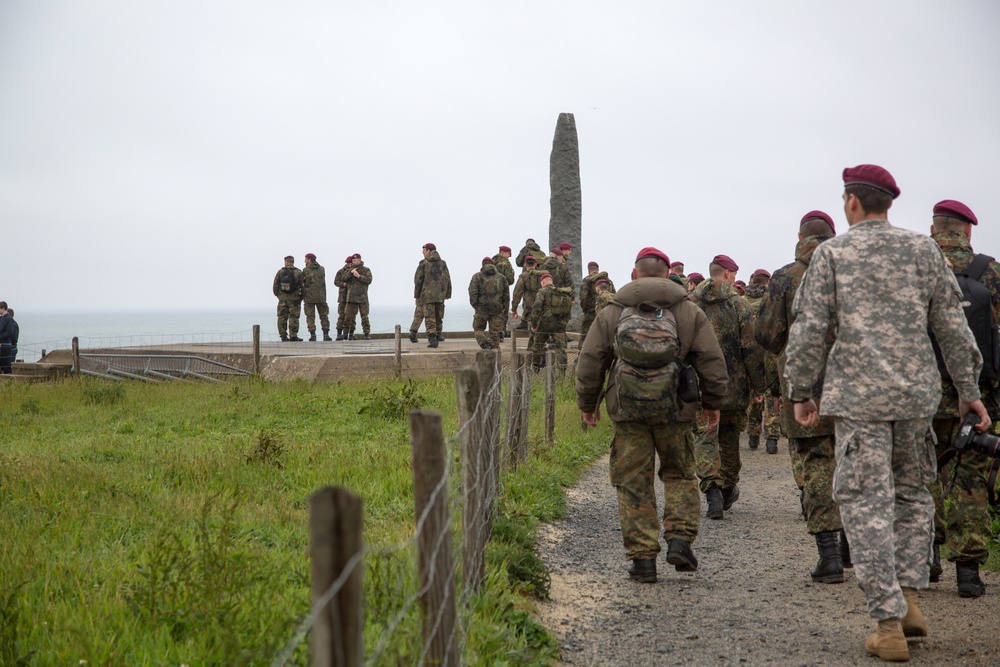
<point x="368" y="336"/>
<point x="715" y="502"/>
<point x="440" y="338"/>
<point x="730" y="496"/>
<point x="969" y="583"/>
<point x="349" y="336"/>
<point x="340" y="334"/>
<point x="284" y="338"/>
<point x="295" y="339"/>
<point x="829" y="569"/>
<point x="888" y="642"/>
<point x="312" y="336"/>
<point x="845" y="551"/>
<point x="914" y="624"/>
<point x="413" y="336"/>
<point x="753" y="441"/>
<point x="326" y="336"/>
<point x="679" y="555"/>
<point x="936" y="569"/>
<point x="771" y="445"/>
<point x="643" y="570"/>
<point x="433" y="341"/>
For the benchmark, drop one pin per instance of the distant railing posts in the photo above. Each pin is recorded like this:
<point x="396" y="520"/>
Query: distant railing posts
<point x="256" y="349"/>
<point x="399" y="351"/>
<point x="550" y="396"/>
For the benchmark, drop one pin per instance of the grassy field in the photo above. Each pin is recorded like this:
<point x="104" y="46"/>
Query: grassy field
<point x="167" y="524"/>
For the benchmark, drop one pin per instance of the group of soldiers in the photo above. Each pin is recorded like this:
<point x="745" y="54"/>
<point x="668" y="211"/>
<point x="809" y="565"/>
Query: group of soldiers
<point x="296" y="287"/>
<point x="865" y="400"/>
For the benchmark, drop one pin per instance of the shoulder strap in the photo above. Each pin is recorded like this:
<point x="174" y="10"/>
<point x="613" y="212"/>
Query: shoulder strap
<point x="978" y="265"/>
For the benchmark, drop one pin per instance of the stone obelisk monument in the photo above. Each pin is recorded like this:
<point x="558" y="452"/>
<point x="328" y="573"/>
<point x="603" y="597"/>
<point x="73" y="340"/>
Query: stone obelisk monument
<point x="565" y="202"/>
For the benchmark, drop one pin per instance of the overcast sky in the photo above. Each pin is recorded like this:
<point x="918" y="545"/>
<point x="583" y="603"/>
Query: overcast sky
<point x="169" y="154"/>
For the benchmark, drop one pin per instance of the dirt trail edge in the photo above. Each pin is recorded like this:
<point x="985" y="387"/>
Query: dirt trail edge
<point x="750" y="602"/>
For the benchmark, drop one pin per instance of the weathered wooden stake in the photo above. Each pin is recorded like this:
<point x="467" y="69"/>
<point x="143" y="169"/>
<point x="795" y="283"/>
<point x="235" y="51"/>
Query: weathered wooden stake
<point x="550" y="396"/>
<point x="488" y="362"/>
<point x="514" y="408"/>
<point x="525" y="408"/>
<point x="335" y="523"/>
<point x="399" y="351"/>
<point x="475" y="475"/>
<point x="76" y="356"/>
<point x="256" y="349"/>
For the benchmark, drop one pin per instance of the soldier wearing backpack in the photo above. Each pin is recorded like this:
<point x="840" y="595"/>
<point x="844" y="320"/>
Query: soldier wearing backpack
<point x="288" y="289"/>
<point x="588" y="296"/>
<point x="549" y="316"/>
<point x="488" y="295"/>
<point x="525" y="289"/>
<point x="963" y="523"/>
<point x="640" y="343"/>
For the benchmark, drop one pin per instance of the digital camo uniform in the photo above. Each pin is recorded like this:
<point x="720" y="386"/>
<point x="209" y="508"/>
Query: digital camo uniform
<point x="549" y="326"/>
<point x="289" y="303"/>
<point x="588" y="300"/>
<point x="340" y="281"/>
<point x="431" y="288"/>
<point x="882" y="287"/>
<point x="314" y="298"/>
<point x="763" y="410"/>
<point x="356" y="299"/>
<point x="488" y="295"/>
<point x="718" y="452"/>
<point x="635" y="446"/>
<point x="963" y="523"/>
<point x="525" y="289"/>
<point x="530" y="248"/>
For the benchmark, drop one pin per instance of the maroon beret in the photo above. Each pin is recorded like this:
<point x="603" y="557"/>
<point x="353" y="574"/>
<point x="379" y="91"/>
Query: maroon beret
<point x="726" y="262"/>
<point x="761" y="272"/>
<point x="565" y="246"/>
<point x="430" y="246"/>
<point x="356" y="256"/>
<point x="822" y="216"/>
<point x="873" y="175"/>
<point x="289" y="257"/>
<point x="740" y="283"/>
<point x="504" y="248"/>
<point x="593" y="264"/>
<point x="650" y="251"/>
<point x="695" y="276"/>
<point x="557" y="252"/>
<point x="348" y="260"/>
<point x="676" y="264"/>
<point x="487" y="260"/>
<point x="309" y="255"/>
<point x="544" y="276"/>
<point x="955" y="209"/>
<point x="529" y="258"/>
<point x="602" y="281"/>
<point x="740" y="288"/>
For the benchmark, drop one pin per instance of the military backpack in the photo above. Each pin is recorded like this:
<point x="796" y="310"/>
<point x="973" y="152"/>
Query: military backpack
<point x="647" y="365"/>
<point x="561" y="303"/>
<point x="977" y="304"/>
<point x="287" y="282"/>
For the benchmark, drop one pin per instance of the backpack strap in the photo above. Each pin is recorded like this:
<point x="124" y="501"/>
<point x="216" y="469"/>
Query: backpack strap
<point x="977" y="266"/>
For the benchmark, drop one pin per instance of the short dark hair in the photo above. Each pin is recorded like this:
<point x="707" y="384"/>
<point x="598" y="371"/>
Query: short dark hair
<point x="3" y="304"/>
<point x="872" y="200"/>
<point x="759" y="280"/>
<point x="650" y="267"/>
<point x="816" y="227"/>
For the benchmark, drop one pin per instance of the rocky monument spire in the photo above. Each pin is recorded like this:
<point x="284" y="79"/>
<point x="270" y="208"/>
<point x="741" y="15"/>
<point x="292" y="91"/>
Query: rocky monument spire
<point x="565" y="203"/>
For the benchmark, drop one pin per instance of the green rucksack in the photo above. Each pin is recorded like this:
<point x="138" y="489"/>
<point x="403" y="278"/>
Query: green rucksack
<point x="562" y="301"/>
<point x="647" y="365"/>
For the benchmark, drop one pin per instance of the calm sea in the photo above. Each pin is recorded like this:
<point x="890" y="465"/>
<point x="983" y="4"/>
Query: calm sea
<point x="54" y="331"/>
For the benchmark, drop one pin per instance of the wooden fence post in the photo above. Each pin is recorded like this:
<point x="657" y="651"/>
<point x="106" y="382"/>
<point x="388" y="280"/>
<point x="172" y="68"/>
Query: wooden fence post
<point x="550" y="396"/>
<point x="475" y="474"/>
<point x="76" y="356"/>
<point x="488" y="362"/>
<point x="514" y="408"/>
<point x="524" y="410"/>
<point x="434" y="557"/>
<point x="256" y="349"/>
<point x="399" y="351"/>
<point x="335" y="522"/>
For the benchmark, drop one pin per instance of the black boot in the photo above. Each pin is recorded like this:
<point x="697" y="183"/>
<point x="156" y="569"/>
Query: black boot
<point x="730" y="496"/>
<point x="771" y="445"/>
<point x="829" y="569"/>
<point x="679" y="555"/>
<point x="340" y="334"/>
<point x="312" y="336"/>
<point x="643" y="570"/>
<point x="284" y="338"/>
<point x="754" y="441"/>
<point x="368" y="336"/>
<point x="295" y="339"/>
<point x="845" y="551"/>
<point x="326" y="336"/>
<point x="413" y="336"/>
<point x="969" y="583"/>
<point x="936" y="568"/>
<point x="715" y="501"/>
<point x="350" y="335"/>
<point x="440" y="338"/>
<point x="433" y="341"/>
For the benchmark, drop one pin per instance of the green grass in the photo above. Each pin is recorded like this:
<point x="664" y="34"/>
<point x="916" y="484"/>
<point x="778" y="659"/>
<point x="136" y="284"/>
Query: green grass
<point x="167" y="524"/>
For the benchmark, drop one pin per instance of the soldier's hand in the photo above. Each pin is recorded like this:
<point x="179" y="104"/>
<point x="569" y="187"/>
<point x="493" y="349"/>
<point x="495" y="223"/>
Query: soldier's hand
<point x="709" y="419"/>
<point x="591" y="418"/>
<point x="759" y="398"/>
<point x="980" y="410"/>
<point x="806" y="413"/>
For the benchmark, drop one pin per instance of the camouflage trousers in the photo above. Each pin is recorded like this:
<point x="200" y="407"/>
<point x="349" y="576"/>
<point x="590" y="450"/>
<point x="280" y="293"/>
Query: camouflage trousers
<point x="962" y="520"/>
<point x="881" y="484"/>
<point x="588" y="320"/>
<point x="797" y="472"/>
<point x="288" y="317"/>
<point x="539" y="341"/>
<point x="765" y="409"/>
<point x="418" y="317"/>
<point x="351" y="311"/>
<point x="433" y="317"/>
<point x="341" y="311"/>
<point x="816" y="456"/>
<point x="496" y="323"/>
<point x="312" y="308"/>
<point x="717" y="452"/>
<point x="634" y="448"/>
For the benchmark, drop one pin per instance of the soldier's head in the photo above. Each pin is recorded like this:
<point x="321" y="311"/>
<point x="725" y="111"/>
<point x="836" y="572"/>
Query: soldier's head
<point x="545" y="280"/>
<point x="868" y="192"/>
<point x="953" y="216"/>
<point x="558" y="254"/>
<point x="817" y="223"/>
<point x="530" y="262"/>
<point x="505" y="251"/>
<point x="694" y="280"/>
<point x="348" y="260"/>
<point x="487" y="261"/>
<point x="567" y="249"/>
<point x="592" y="268"/>
<point x="356" y="259"/>
<point x="601" y="286"/>
<point x="289" y="260"/>
<point x="651" y="263"/>
<point x="310" y="258"/>
<point x="760" y="277"/>
<point x="3" y="307"/>
<point x="428" y="248"/>
<point x="723" y="269"/>
<point x="677" y="268"/>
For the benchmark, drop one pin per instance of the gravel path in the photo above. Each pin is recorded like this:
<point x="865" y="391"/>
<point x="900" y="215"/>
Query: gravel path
<point x="750" y="602"/>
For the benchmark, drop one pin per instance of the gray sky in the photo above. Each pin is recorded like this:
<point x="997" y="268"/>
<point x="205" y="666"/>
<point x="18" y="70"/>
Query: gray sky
<point x="169" y="154"/>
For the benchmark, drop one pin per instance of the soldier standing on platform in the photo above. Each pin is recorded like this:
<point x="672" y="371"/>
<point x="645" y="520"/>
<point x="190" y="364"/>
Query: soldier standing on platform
<point x="431" y="288"/>
<point x="489" y="295"/>
<point x="340" y="281"/>
<point x="358" y="280"/>
<point x="288" y="289"/>
<point x="314" y="297"/>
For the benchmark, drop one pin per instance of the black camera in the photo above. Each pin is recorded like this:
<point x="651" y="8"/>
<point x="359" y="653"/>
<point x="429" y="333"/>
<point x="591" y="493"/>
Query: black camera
<point x="969" y="438"/>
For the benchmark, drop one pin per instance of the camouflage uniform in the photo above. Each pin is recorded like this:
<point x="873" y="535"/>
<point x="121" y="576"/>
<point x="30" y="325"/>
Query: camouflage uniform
<point x="732" y="321"/>
<point x="557" y="267"/>
<point x="811" y="447"/>
<point x="289" y="304"/>
<point x="314" y="297"/>
<point x="431" y="287"/>
<point x="635" y="445"/>
<point x="504" y="268"/>
<point x="601" y="302"/>
<point x="588" y="300"/>
<point x="356" y="299"/>
<point x="963" y="523"/>
<point x="488" y="295"/>
<point x="526" y="288"/>
<point x="548" y="326"/>
<point x="340" y="280"/>
<point x="532" y="249"/>
<point x="882" y="287"/>
<point x="765" y="408"/>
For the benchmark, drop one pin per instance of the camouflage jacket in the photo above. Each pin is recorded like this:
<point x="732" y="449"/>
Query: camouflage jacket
<point x="542" y="316"/>
<point x="357" y="288"/>
<point x="881" y="287"/>
<point x="504" y="268"/>
<point x="771" y="324"/>
<point x="699" y="348"/>
<point x="602" y="300"/>
<point x="560" y="274"/>
<point x="525" y="289"/>
<point x="753" y="297"/>
<point x="340" y="280"/>
<point x="532" y="249"/>
<point x="959" y="254"/>
<point x="588" y="295"/>
<point x="314" y="283"/>
<point x="488" y="291"/>
<point x="732" y="321"/>
<point x="294" y="295"/>
<point x="432" y="281"/>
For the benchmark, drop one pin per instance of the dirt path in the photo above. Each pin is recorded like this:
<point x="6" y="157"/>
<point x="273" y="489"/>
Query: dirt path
<point x="750" y="602"/>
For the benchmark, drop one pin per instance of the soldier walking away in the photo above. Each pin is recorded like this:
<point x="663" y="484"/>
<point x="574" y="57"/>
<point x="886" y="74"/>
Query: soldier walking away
<point x="605" y="295"/>
<point x="288" y="289"/>
<point x="501" y="260"/>
<point x="962" y="518"/>
<point x="694" y="280"/>
<point x="314" y="297"/>
<point x="718" y="449"/>
<point x="881" y="288"/>
<point x="677" y="269"/>
<point x="555" y="264"/>
<point x="8" y="339"/>
<point x="489" y="295"/>
<point x="588" y="296"/>
<point x="340" y="280"/>
<point x="530" y="248"/>
<point x="431" y="287"/>
<point x="549" y="316"/>
<point x="640" y="344"/>
<point x="526" y="288"/>
<point x="812" y="447"/>
<point x="760" y="407"/>
<point x="356" y="299"/>
<point x="15" y="334"/>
